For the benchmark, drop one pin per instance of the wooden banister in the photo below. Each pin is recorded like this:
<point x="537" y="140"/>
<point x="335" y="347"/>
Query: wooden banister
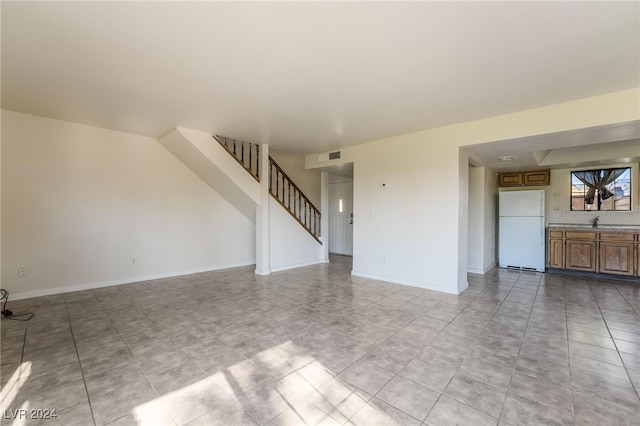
<point x="291" y="197"/>
<point x="281" y="186"/>
<point x="245" y="153"/>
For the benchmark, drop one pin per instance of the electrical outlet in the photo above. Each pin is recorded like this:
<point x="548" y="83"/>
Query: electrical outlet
<point x="22" y="272"/>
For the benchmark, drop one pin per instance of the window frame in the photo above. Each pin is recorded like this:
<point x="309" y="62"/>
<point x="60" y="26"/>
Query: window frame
<point x="598" y="202"/>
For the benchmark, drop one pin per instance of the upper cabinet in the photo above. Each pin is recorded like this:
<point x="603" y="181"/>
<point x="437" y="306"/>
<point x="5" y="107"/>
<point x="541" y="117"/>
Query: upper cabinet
<point x="524" y="178"/>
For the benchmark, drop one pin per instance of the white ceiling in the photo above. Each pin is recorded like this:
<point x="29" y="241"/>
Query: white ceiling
<point x="313" y="76"/>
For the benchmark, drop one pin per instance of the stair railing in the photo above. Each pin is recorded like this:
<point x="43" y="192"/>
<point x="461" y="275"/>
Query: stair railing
<point x="247" y="154"/>
<point x="281" y="187"/>
<point x="287" y="193"/>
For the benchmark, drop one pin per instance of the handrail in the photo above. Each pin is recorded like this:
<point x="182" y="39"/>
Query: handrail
<point x="287" y="193"/>
<point x="245" y="153"/>
<point x="281" y="186"/>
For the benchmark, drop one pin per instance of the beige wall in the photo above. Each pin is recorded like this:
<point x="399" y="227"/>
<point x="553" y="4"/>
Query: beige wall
<point x="415" y="231"/>
<point x="79" y="203"/>
<point x="561" y="185"/>
<point x="482" y="219"/>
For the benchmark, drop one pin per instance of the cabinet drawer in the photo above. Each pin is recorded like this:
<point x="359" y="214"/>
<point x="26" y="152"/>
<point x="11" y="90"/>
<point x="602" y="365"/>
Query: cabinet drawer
<point x="577" y="235"/>
<point x="618" y="236"/>
<point x="555" y="234"/>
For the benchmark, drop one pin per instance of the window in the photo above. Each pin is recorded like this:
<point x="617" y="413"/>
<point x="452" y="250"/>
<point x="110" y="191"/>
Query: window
<point x="601" y="190"/>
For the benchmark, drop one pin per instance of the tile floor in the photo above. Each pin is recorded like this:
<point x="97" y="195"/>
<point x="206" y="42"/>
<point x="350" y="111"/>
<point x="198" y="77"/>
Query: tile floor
<point x="317" y="346"/>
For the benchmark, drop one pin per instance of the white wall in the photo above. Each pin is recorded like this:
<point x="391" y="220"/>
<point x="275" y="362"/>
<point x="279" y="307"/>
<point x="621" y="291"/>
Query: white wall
<point x="490" y="218"/>
<point x="291" y="246"/>
<point x="475" y="260"/>
<point x="79" y="202"/>
<point x="561" y="185"/>
<point x="407" y="232"/>
<point x="482" y="219"/>
<point x="415" y="231"/>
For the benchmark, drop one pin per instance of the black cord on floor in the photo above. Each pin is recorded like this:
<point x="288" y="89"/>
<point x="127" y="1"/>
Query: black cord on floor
<point x="26" y="316"/>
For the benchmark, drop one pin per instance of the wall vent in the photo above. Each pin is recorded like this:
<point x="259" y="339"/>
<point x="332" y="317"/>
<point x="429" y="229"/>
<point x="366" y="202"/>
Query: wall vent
<point x="334" y="155"/>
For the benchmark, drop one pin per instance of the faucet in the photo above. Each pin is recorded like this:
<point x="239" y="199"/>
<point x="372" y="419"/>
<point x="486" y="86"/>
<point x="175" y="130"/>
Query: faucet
<point x="595" y="221"/>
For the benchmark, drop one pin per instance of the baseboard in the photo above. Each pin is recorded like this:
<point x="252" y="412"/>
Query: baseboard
<point x="298" y="265"/>
<point x="110" y="283"/>
<point x="425" y="286"/>
<point x="486" y="269"/>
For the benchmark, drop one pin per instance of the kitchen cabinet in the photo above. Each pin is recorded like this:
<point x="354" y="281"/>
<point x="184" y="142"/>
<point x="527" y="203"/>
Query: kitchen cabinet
<point x="616" y="258"/>
<point x="556" y="250"/>
<point x="593" y="250"/>
<point x="508" y="179"/>
<point x="538" y="177"/>
<point x="524" y="178"/>
<point x="581" y="255"/>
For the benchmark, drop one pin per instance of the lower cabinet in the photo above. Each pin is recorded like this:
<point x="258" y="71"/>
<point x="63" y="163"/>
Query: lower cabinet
<point x="581" y="255"/>
<point x="616" y="258"/>
<point x="612" y="252"/>
<point x="556" y="253"/>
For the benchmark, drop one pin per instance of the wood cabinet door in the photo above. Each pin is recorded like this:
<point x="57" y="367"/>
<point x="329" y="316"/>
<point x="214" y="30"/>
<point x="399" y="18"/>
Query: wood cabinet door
<point x="510" y="179"/>
<point x="556" y="253"/>
<point x="538" y="177"/>
<point x="616" y="258"/>
<point x="581" y="255"/>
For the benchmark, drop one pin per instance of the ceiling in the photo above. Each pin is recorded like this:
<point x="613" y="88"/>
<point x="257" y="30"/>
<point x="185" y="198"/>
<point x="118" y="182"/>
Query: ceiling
<point x="313" y="76"/>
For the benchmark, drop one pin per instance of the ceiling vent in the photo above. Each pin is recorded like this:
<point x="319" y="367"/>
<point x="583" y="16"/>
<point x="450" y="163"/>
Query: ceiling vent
<point x="334" y="155"/>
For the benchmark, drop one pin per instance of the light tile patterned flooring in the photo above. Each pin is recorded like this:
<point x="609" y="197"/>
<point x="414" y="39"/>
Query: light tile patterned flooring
<point x="317" y="346"/>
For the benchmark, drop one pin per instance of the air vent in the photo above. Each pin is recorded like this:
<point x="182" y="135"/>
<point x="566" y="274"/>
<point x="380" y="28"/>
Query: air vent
<point x="334" y="155"/>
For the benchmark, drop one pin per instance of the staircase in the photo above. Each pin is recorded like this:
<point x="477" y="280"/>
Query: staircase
<point x="281" y="186"/>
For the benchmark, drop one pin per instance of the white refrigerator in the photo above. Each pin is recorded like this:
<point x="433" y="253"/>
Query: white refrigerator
<point x="521" y="230"/>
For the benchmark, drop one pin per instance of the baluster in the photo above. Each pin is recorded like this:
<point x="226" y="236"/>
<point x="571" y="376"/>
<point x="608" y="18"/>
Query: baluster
<point x="242" y="155"/>
<point x="258" y="161"/>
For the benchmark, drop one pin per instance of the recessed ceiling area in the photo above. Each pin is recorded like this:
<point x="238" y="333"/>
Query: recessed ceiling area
<point x="308" y="77"/>
<point x="618" y="143"/>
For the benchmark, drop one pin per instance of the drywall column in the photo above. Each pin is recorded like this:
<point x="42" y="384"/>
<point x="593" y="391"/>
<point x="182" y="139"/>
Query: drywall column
<point x="463" y="219"/>
<point x="475" y="261"/>
<point x="324" y="218"/>
<point x="262" y="215"/>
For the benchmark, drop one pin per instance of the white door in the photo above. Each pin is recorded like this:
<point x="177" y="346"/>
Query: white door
<point x="521" y="242"/>
<point x="341" y="218"/>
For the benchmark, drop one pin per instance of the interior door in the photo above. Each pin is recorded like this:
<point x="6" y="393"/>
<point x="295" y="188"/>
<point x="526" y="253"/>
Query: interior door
<point x="341" y="218"/>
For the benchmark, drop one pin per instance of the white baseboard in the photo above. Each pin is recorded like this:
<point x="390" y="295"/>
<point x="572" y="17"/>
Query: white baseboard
<point x="110" y="283"/>
<point x="486" y="269"/>
<point x="426" y="286"/>
<point x="298" y="265"/>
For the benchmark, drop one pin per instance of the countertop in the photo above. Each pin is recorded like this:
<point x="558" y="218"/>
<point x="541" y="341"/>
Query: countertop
<point x="601" y="227"/>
